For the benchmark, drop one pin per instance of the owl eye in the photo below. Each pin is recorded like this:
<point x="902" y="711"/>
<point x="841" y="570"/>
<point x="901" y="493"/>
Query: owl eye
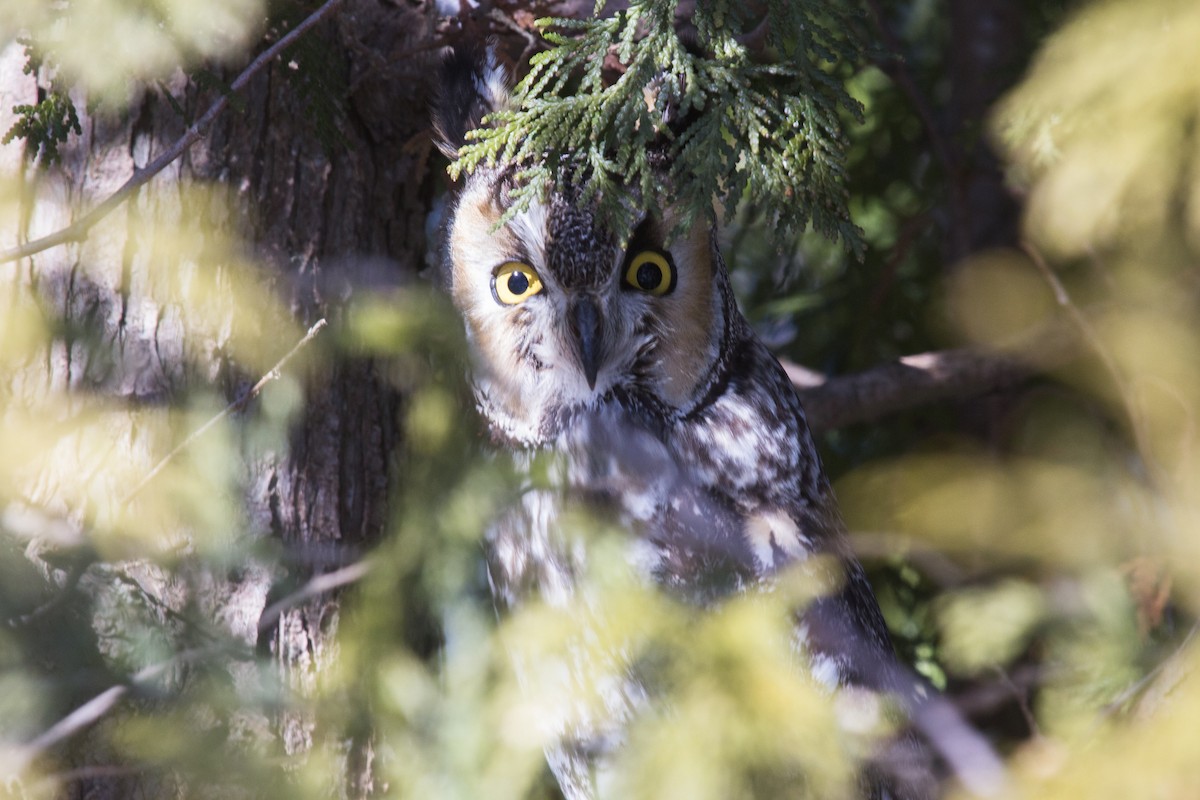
<point x="514" y="282"/>
<point x="651" y="272"/>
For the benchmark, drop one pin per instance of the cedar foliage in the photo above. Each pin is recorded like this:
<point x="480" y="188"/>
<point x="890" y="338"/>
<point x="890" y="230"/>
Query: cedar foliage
<point x="764" y="125"/>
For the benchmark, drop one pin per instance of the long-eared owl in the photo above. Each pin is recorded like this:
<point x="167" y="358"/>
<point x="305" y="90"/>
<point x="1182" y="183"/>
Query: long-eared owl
<point x="629" y="359"/>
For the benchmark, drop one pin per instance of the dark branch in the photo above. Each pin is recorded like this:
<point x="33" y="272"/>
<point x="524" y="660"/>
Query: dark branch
<point x="831" y="403"/>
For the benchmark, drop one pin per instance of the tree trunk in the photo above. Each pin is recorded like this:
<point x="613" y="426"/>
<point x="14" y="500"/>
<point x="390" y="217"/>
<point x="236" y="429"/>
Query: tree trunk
<point x="985" y="53"/>
<point x="318" y="217"/>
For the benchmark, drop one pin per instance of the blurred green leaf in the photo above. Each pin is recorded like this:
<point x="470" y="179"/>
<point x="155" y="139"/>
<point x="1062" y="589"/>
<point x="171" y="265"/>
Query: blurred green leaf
<point x="988" y="627"/>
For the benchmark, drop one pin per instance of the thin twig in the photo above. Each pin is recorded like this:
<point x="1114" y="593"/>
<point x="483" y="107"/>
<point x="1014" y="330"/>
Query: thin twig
<point x="967" y="752"/>
<point x="1140" y="686"/>
<point x="100" y="705"/>
<point x="886" y="281"/>
<point x="98" y="771"/>
<point x="78" y="230"/>
<point x="1092" y="338"/>
<point x="531" y="41"/>
<point x="932" y="563"/>
<point x="985" y="698"/>
<point x="237" y="405"/>
<point x="755" y="40"/>
<point x="316" y="586"/>
<point x="1020" y="695"/>
<point x="64" y="592"/>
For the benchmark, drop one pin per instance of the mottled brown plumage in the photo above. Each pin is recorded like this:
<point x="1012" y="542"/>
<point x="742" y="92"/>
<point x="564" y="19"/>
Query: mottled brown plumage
<point x="631" y="361"/>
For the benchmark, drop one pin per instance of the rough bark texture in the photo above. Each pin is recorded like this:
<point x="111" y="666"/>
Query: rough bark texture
<point x="320" y="217"/>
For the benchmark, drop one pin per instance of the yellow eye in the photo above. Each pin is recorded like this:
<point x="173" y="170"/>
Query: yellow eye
<point x="651" y="272"/>
<point x="514" y="283"/>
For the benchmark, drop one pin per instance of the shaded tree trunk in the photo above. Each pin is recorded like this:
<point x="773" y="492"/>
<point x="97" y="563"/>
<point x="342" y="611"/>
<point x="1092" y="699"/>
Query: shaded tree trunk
<point x="320" y="217"/>
<point x="986" y="52"/>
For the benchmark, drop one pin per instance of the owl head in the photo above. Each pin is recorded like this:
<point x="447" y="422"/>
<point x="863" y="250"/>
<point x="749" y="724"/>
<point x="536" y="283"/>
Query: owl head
<point x="562" y="315"/>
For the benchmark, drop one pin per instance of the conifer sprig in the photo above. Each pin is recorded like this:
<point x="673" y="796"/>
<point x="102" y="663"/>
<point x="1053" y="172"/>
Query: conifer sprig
<point x="761" y="125"/>
<point x="48" y="123"/>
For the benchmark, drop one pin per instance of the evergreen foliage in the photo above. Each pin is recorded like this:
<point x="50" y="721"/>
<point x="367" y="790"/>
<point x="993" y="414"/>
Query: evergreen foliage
<point x="761" y="126"/>
<point x="46" y="124"/>
<point x="1035" y="551"/>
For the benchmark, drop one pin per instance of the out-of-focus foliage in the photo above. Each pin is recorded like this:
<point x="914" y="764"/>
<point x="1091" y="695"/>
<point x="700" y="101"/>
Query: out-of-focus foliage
<point x="108" y="570"/>
<point x="115" y="580"/>
<point x="1101" y="131"/>
<point x="1073" y="528"/>
<point x="1047" y="556"/>
<point x="103" y="45"/>
<point x="736" y="715"/>
<point x="1039" y="547"/>
<point x="107" y="49"/>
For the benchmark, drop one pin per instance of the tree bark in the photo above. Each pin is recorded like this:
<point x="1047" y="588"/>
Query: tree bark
<point x="317" y="217"/>
<point x="985" y="53"/>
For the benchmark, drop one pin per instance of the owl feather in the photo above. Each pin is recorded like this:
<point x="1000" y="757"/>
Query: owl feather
<point x="628" y="362"/>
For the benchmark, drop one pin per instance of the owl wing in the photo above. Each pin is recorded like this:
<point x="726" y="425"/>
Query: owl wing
<point x="748" y="448"/>
<point x="753" y="453"/>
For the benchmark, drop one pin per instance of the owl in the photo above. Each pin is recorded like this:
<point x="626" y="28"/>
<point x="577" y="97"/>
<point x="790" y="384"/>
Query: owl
<point x="629" y="360"/>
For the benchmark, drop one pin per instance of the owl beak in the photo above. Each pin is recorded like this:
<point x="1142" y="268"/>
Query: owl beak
<point x="587" y="327"/>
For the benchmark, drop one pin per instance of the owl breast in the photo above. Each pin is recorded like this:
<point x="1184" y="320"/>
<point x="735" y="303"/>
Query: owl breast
<point x="715" y="500"/>
<point x="616" y="371"/>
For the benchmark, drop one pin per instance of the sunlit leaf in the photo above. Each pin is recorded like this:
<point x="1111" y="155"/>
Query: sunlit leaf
<point x="1100" y="129"/>
<point x="989" y="626"/>
<point x="104" y="45"/>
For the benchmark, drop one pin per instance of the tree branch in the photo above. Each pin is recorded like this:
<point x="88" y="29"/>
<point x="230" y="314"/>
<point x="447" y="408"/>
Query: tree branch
<point x="78" y="230"/>
<point x="831" y="403"/>
<point x="237" y="405"/>
<point x="1091" y="337"/>
<point x="99" y="706"/>
<point x="317" y="585"/>
<point x="95" y="709"/>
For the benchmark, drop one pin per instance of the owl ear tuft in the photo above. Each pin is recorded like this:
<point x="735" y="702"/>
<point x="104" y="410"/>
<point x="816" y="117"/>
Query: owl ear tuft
<point x="474" y="84"/>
